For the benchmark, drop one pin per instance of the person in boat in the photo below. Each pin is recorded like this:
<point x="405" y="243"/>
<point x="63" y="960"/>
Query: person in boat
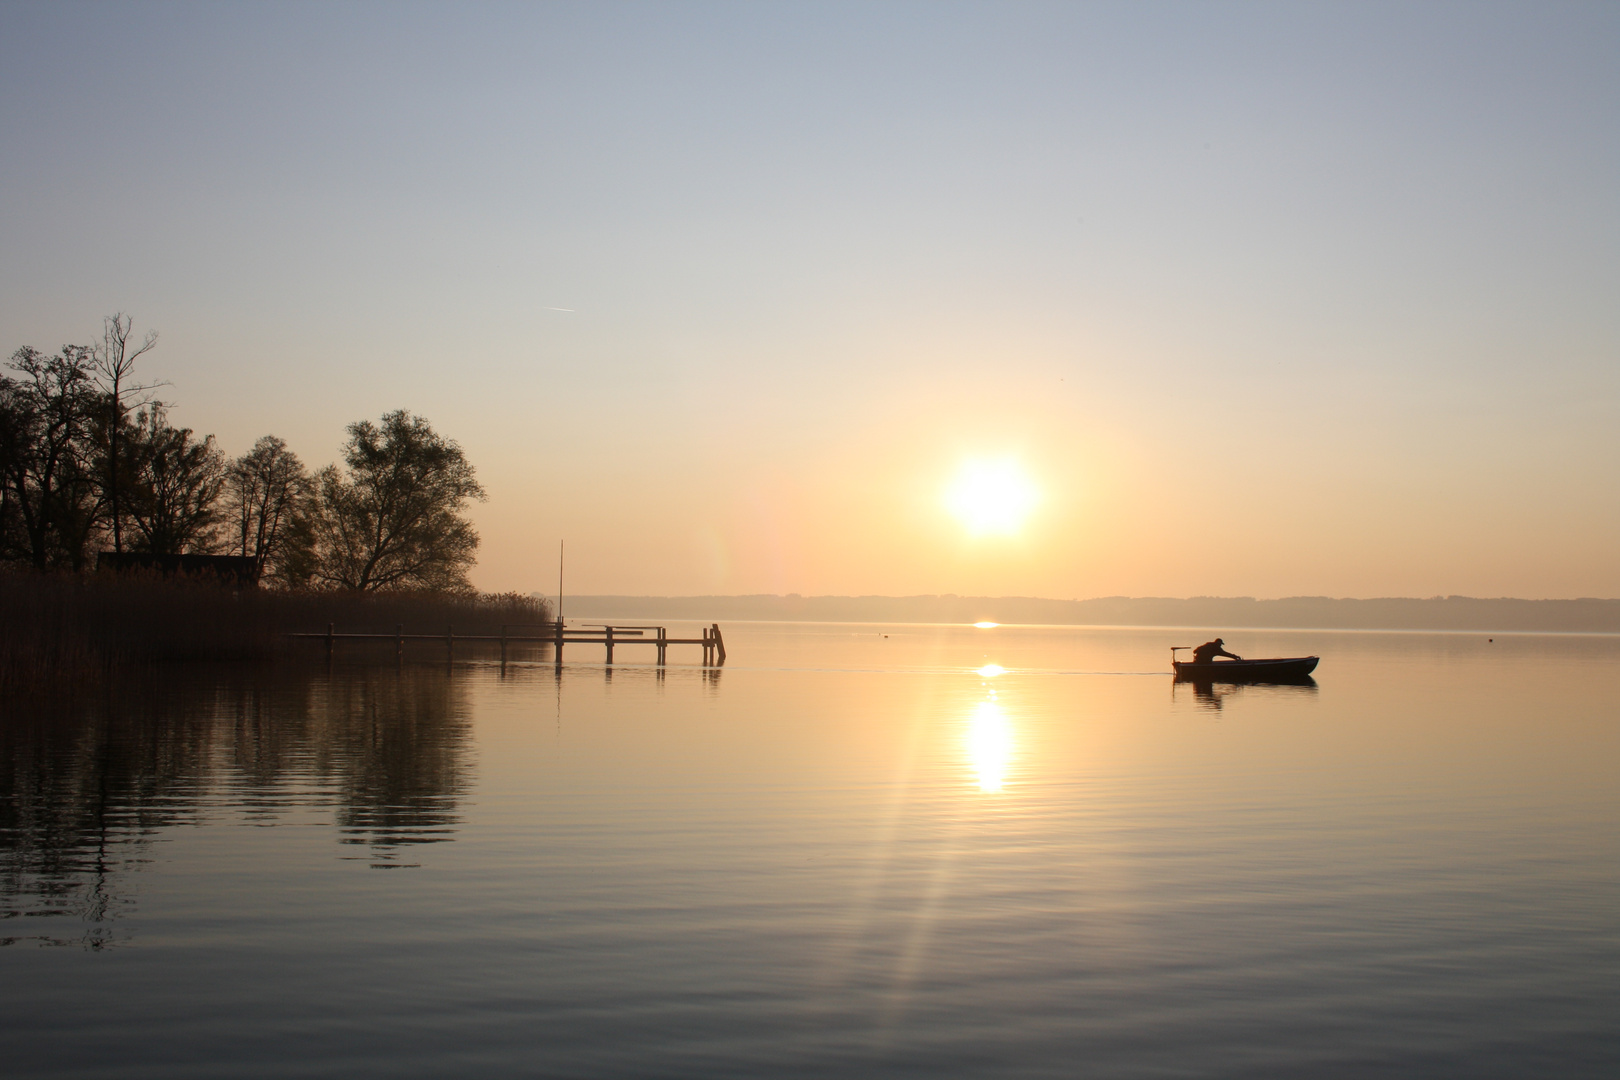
<point x="1209" y="650"/>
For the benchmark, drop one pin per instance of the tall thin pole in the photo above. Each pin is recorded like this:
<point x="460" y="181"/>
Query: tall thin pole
<point x="560" y="544"/>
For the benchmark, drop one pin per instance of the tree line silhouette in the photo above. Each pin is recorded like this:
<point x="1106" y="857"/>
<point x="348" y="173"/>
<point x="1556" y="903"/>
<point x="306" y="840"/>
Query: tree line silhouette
<point x="90" y="461"/>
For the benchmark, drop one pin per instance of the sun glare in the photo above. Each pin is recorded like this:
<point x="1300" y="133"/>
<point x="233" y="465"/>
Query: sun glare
<point x="990" y="745"/>
<point x="991" y="498"/>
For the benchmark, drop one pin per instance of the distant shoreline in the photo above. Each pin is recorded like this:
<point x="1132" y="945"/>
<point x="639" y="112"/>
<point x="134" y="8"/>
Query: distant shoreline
<point x="1458" y="613"/>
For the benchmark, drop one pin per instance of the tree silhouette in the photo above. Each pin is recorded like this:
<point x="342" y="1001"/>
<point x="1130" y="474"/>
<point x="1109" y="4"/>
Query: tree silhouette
<point x="173" y="486"/>
<point x="264" y="492"/>
<point x="48" y="499"/>
<point x="113" y="366"/>
<point x="392" y="519"/>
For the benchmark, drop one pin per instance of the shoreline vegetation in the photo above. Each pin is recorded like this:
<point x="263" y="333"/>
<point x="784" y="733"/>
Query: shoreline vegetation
<point x="255" y="548"/>
<point x="90" y="465"/>
<point x="1455" y="613"/>
<point x="61" y="629"/>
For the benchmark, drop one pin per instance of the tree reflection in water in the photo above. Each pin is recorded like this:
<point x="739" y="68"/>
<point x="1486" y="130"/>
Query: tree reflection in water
<point x="87" y="786"/>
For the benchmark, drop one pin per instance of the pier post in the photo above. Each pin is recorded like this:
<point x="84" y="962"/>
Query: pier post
<point x="557" y="653"/>
<point x="663" y="636"/>
<point x="707" y="648"/>
<point x="503" y="645"/>
<point x="719" y="646"/>
<point x="608" y="637"/>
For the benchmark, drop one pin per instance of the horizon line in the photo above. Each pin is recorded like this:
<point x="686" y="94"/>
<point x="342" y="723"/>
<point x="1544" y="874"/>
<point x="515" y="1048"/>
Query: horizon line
<point x="1085" y="600"/>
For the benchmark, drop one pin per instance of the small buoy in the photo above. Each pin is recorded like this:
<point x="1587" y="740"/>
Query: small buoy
<point x="1490" y="641"/>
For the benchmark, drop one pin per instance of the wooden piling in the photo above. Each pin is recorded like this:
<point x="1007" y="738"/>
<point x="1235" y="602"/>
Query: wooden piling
<point x="610" y="637"/>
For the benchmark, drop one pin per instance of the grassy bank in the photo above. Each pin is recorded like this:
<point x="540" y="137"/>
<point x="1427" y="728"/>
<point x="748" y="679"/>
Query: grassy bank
<point x="67" y="628"/>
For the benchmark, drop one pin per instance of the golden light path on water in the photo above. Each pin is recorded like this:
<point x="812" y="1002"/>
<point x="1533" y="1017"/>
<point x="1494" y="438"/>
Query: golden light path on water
<point x="950" y="868"/>
<point x="990" y="744"/>
<point x="989" y="735"/>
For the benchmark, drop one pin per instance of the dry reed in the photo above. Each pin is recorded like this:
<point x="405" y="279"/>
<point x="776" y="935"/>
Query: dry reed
<point x="69" y="628"/>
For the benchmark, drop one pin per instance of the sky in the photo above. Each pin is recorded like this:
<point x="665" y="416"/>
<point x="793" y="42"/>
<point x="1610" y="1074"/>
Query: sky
<point x="1248" y="298"/>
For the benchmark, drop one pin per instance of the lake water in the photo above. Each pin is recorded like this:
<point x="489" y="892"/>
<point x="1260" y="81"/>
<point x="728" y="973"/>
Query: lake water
<point x="849" y="852"/>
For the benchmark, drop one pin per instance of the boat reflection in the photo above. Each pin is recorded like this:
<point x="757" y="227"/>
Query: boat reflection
<point x="1211" y="696"/>
<point x="990" y="745"/>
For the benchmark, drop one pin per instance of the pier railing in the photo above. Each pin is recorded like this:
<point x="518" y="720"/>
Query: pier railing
<point x="557" y="635"/>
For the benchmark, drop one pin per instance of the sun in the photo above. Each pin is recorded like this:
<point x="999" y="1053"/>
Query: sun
<point x="991" y="498"/>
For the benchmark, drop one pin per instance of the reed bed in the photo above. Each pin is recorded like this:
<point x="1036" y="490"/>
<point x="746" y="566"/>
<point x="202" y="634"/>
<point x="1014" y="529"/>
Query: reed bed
<point x="65" y="628"/>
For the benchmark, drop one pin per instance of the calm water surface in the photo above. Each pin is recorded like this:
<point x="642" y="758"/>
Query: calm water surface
<point x="849" y="852"/>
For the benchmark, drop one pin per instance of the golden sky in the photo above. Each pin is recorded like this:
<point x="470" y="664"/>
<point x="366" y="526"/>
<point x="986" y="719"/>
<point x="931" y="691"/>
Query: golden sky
<point x="1257" y="299"/>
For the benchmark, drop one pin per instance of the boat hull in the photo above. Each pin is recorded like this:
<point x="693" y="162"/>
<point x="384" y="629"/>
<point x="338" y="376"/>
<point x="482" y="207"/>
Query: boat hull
<point x="1285" y="669"/>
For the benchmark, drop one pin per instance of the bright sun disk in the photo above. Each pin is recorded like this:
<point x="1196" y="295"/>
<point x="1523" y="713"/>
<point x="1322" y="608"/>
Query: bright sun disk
<point x="991" y="497"/>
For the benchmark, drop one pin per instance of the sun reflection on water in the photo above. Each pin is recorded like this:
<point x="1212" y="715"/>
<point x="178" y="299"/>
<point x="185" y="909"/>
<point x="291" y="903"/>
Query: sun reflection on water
<point x="990" y="745"/>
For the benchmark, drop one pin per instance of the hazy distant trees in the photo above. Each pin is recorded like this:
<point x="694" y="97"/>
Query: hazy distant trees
<point x="393" y="518"/>
<point x="266" y="494"/>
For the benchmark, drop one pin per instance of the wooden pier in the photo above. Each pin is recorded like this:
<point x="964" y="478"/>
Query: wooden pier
<point x="556" y="635"/>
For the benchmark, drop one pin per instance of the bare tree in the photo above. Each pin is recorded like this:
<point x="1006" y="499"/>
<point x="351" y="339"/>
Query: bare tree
<point x="264" y="490"/>
<point x="114" y="366"/>
<point x="177" y="479"/>
<point x="393" y="518"/>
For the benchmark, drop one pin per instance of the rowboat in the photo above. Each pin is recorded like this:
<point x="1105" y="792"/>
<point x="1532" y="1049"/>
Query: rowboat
<point x="1278" y="669"/>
